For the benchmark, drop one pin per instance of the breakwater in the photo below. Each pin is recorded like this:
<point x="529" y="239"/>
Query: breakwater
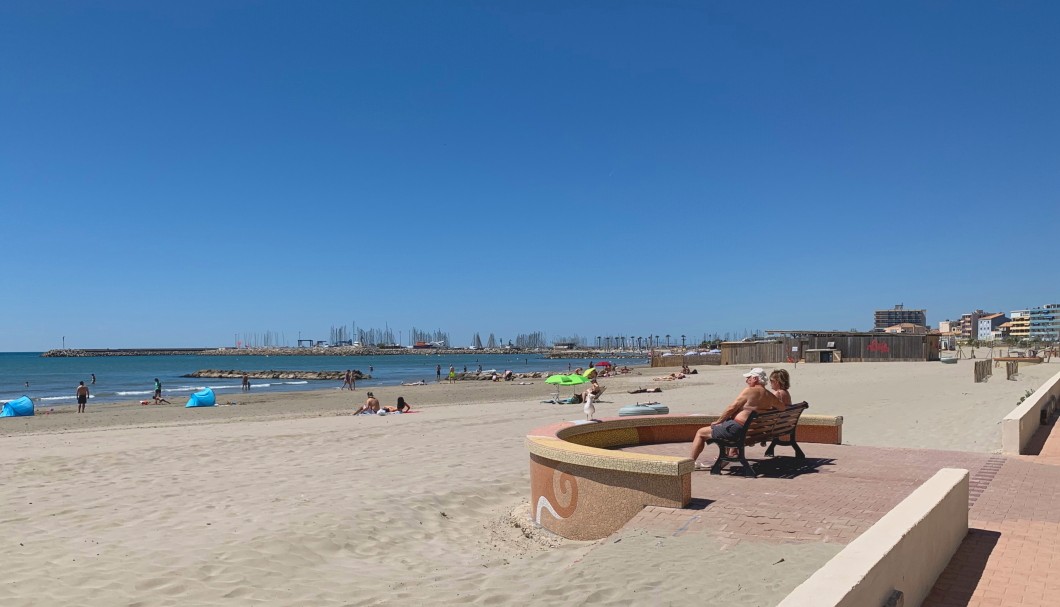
<point x="233" y="374"/>
<point x="333" y="351"/>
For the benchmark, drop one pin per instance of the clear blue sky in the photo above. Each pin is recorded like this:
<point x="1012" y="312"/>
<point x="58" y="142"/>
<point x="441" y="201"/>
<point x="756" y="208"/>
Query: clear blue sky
<point x="174" y="173"/>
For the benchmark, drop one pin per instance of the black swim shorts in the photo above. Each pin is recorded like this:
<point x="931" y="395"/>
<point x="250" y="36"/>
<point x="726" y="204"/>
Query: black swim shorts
<point x="726" y="430"/>
<point x="82" y="399"/>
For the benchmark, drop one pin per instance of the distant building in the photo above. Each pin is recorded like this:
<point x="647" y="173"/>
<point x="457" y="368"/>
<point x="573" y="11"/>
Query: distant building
<point x="988" y="324"/>
<point x="907" y="327"/>
<point x="897" y="316"/>
<point x="970" y="324"/>
<point x="948" y="339"/>
<point x="1019" y="326"/>
<point x="1001" y="333"/>
<point x="948" y="326"/>
<point x="1045" y="323"/>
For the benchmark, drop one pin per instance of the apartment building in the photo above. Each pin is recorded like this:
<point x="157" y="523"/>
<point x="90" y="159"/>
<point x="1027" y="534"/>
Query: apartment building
<point x="989" y="323"/>
<point x="1045" y="323"/>
<point x="970" y="324"/>
<point x="898" y="315"/>
<point x="1019" y="325"/>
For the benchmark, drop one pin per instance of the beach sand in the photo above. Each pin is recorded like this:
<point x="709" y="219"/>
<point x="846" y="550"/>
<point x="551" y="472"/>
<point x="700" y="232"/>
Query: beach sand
<point x="282" y="499"/>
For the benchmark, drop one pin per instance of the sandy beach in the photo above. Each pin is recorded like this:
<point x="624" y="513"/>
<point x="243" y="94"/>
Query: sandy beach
<point x="285" y="499"/>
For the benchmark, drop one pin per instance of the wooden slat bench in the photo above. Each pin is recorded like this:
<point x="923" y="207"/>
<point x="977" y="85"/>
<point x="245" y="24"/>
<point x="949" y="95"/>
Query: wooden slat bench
<point x="775" y="426"/>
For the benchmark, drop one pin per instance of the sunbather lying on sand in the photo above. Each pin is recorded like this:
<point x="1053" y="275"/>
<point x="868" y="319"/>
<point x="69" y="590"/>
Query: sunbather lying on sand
<point x="401" y="407"/>
<point x="670" y="377"/>
<point x="643" y="390"/>
<point x="415" y="383"/>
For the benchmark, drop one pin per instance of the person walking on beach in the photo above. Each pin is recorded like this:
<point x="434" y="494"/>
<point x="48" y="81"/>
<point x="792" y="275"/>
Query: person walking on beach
<point x="246" y="382"/>
<point x="452" y="374"/>
<point x="437" y="373"/>
<point x="82" y="397"/>
<point x="158" y="393"/>
<point x="346" y="380"/>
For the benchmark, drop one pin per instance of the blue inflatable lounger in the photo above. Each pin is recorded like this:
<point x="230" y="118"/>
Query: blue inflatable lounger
<point x="202" y="398"/>
<point x="19" y="407"/>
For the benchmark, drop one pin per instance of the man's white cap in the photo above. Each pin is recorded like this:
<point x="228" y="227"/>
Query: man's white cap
<point x="758" y="372"/>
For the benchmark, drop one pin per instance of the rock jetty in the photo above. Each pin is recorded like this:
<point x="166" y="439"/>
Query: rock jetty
<point x="322" y="375"/>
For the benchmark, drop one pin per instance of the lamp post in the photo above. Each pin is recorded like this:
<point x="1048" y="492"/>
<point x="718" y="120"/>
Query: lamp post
<point x="682" y="342"/>
<point x="667" y="340"/>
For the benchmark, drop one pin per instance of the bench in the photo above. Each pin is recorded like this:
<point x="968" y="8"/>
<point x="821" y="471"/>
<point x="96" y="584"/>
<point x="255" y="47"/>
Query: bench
<point x="775" y="426"/>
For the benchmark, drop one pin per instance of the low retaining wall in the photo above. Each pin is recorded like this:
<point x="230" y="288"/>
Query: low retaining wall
<point x="906" y="550"/>
<point x="1021" y="423"/>
<point x="581" y="489"/>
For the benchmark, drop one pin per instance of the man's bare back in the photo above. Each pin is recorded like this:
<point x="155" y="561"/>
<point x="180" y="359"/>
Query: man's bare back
<point x="753" y="398"/>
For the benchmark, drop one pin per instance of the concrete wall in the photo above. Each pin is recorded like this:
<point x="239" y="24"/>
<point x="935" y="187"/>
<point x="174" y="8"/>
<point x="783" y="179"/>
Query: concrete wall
<point x="1021" y="423"/>
<point x="906" y="550"/>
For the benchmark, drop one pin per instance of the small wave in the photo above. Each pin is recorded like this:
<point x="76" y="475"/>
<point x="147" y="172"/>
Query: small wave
<point x="69" y="398"/>
<point x="134" y="392"/>
<point x="295" y="383"/>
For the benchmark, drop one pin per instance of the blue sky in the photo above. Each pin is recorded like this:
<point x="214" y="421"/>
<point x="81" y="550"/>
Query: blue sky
<point x="172" y="174"/>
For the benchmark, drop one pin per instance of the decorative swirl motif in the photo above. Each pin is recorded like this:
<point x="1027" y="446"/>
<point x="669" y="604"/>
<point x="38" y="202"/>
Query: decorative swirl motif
<point x="559" y="496"/>
<point x="564" y="492"/>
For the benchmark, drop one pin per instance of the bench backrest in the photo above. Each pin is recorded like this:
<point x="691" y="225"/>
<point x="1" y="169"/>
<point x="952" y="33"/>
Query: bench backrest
<point x="772" y="424"/>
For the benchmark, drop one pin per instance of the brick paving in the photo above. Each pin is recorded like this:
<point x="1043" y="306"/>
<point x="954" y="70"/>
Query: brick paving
<point x="841" y="490"/>
<point x="836" y="494"/>
<point x="1013" y="544"/>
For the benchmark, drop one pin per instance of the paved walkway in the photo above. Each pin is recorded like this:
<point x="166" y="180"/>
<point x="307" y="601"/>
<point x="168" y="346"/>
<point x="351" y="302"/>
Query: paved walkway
<point x="841" y="490"/>
<point x="1012" y="550"/>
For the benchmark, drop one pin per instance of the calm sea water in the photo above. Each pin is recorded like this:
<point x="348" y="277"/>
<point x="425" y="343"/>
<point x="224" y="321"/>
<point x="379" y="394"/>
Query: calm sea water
<point x="52" y="381"/>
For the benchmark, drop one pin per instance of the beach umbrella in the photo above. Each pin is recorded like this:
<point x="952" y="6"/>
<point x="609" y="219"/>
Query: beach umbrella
<point x="566" y="380"/>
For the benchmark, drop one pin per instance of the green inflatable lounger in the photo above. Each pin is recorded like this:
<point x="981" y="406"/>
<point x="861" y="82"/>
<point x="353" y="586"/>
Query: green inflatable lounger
<point x="202" y="398"/>
<point x="644" y="409"/>
<point x="20" y="407"/>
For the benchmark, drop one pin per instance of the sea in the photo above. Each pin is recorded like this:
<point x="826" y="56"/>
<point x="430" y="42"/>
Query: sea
<point x="52" y="382"/>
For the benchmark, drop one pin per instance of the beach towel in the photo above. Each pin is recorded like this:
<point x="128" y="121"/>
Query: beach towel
<point x="203" y="398"/>
<point x="20" y="407"/>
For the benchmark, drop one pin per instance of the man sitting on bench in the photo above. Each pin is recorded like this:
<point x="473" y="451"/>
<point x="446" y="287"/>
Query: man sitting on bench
<point x="754" y="397"/>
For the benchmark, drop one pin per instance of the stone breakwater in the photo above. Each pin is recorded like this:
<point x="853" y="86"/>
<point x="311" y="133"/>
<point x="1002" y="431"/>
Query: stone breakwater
<point x="333" y="351"/>
<point x="322" y="375"/>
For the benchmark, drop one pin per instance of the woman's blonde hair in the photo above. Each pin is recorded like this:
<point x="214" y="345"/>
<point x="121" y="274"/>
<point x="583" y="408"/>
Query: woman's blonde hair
<point x="782" y="378"/>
